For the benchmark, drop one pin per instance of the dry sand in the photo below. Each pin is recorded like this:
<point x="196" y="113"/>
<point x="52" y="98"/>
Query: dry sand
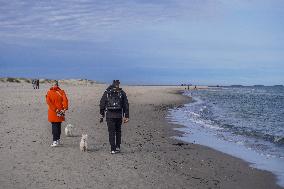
<point x="150" y="157"/>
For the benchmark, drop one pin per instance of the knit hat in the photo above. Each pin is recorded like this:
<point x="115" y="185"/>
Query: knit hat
<point x="116" y="82"/>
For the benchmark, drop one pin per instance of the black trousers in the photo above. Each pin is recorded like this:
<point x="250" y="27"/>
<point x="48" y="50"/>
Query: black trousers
<point x="56" y="130"/>
<point x="114" y="131"/>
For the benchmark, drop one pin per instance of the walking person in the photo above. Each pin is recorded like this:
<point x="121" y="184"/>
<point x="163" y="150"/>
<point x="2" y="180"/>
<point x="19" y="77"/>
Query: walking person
<point x="34" y="83"/>
<point x="114" y="104"/>
<point x="57" y="102"/>
<point x="37" y="84"/>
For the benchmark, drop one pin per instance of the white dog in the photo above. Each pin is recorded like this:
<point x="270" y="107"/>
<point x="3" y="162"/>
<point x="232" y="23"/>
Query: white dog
<point x="83" y="143"/>
<point x="69" y="130"/>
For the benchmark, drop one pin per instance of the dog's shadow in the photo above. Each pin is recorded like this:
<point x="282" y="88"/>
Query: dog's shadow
<point x="92" y="150"/>
<point x="96" y="148"/>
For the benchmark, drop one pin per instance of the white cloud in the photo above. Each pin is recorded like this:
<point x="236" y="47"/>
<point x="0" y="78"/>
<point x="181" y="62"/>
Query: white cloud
<point x="87" y="19"/>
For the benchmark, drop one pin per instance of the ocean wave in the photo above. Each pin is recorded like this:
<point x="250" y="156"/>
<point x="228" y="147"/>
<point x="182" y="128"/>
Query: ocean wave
<point x="279" y="139"/>
<point x="244" y="131"/>
<point x="194" y="114"/>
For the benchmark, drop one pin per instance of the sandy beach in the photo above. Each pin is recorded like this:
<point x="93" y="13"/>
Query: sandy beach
<point x="150" y="157"/>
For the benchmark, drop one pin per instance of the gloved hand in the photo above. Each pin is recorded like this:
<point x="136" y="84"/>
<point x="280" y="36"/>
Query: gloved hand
<point x="101" y="119"/>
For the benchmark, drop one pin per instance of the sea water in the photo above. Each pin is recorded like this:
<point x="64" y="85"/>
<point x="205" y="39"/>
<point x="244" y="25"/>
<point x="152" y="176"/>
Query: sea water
<point x="246" y="122"/>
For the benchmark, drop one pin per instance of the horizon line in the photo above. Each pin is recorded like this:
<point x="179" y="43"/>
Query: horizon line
<point x="152" y="84"/>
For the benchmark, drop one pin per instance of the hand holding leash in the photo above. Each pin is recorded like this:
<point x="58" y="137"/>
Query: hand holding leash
<point x="60" y="113"/>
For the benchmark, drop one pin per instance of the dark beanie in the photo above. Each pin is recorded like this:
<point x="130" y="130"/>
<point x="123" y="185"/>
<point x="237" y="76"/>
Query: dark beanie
<point x="115" y="82"/>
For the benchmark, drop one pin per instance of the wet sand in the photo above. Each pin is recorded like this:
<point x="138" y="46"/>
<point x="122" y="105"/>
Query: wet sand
<point x="150" y="158"/>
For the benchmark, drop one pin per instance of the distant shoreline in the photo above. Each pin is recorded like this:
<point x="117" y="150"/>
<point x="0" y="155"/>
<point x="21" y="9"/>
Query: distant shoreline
<point x="88" y="81"/>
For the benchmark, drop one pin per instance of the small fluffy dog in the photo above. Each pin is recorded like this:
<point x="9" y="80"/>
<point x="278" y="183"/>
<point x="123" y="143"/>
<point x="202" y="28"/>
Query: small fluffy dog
<point x="69" y="130"/>
<point x="83" y="143"/>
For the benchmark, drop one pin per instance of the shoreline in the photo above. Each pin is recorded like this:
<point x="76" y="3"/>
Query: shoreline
<point x="151" y="157"/>
<point x="251" y="163"/>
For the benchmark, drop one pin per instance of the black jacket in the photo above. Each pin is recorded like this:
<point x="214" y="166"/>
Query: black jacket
<point x="124" y="112"/>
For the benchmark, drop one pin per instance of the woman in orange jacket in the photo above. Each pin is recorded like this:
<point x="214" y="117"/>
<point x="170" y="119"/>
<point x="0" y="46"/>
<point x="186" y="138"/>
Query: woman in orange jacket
<point x="57" y="102"/>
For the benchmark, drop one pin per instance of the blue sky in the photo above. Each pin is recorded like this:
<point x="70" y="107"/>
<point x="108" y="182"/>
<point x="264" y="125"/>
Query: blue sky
<point x="149" y="42"/>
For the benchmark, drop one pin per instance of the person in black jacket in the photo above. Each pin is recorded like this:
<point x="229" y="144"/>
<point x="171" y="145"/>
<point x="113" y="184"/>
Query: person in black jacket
<point x="114" y="104"/>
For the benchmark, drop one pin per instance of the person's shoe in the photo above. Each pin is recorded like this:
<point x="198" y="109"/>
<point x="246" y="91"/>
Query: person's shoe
<point x="54" y="144"/>
<point x="117" y="150"/>
<point x="112" y="152"/>
<point x="59" y="142"/>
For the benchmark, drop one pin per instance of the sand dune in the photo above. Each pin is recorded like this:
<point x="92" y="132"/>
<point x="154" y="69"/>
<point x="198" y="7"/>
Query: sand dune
<point x="47" y="81"/>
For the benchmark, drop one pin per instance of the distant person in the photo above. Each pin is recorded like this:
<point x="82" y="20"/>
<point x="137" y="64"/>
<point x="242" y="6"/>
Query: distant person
<point x="57" y="102"/>
<point x="34" y="83"/>
<point x="114" y="104"/>
<point x="37" y="84"/>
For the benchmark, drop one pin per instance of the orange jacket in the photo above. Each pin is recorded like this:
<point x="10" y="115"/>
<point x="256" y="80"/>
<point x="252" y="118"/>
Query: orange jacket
<point x="56" y="99"/>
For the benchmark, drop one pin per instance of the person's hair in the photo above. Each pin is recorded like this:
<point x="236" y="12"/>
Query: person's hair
<point x="115" y="82"/>
<point x="55" y="82"/>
